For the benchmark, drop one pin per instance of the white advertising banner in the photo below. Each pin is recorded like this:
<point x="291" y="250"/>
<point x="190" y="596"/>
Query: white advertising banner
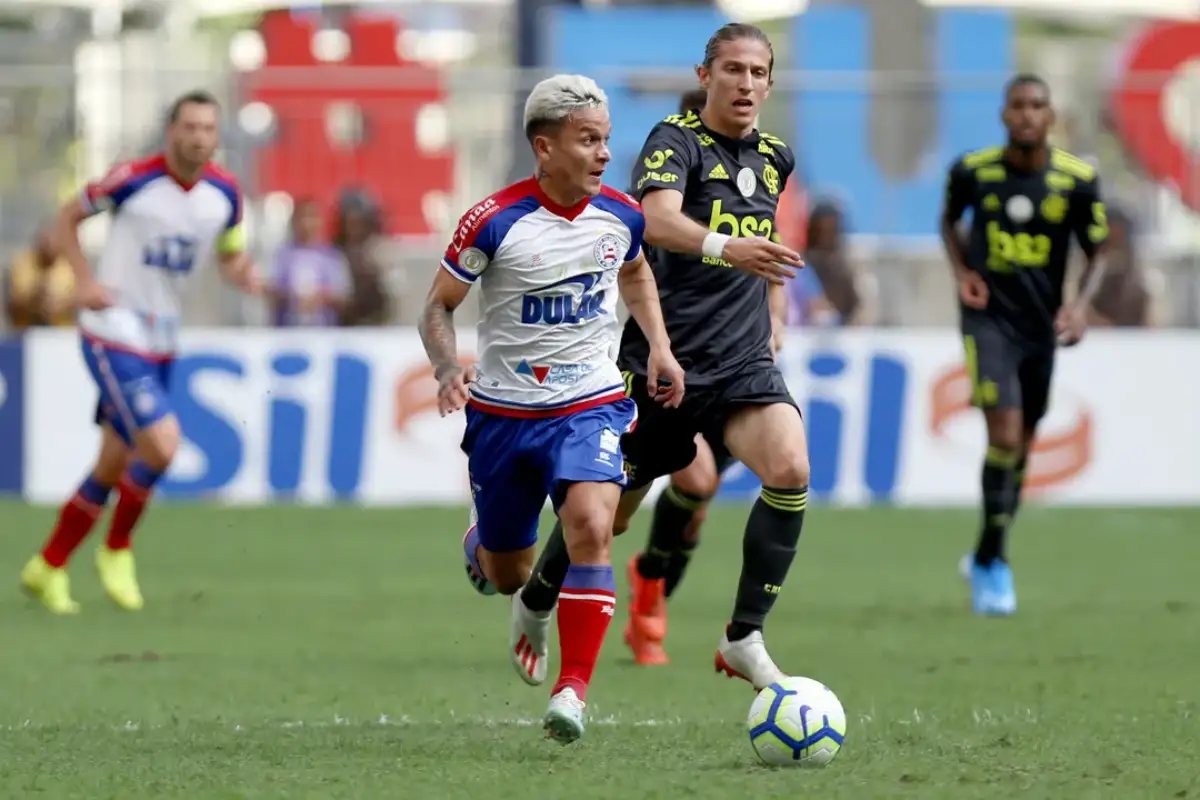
<point x="328" y="415"/>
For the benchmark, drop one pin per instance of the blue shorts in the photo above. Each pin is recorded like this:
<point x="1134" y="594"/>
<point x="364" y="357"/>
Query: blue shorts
<point x="134" y="389"/>
<point x="516" y="463"/>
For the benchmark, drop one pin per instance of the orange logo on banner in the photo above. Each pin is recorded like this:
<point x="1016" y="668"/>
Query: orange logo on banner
<point x="1055" y="458"/>
<point x="416" y="392"/>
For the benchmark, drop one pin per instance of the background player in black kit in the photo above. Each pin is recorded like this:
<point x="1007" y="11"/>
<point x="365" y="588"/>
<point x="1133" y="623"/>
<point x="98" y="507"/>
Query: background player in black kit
<point x="1028" y="200"/>
<point x="709" y="184"/>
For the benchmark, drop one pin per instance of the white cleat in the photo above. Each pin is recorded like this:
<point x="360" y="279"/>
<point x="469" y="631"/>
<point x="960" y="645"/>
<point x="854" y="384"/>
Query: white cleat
<point x="748" y="659"/>
<point x="564" y="718"/>
<point x="529" y="642"/>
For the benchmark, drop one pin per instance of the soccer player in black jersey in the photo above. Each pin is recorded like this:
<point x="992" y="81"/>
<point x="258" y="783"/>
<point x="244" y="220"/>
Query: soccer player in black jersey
<point x="682" y="506"/>
<point x="1028" y="200"/>
<point x="709" y="184"/>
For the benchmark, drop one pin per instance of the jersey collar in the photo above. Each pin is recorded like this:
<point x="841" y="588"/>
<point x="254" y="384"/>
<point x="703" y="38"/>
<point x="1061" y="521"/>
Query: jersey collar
<point x="566" y="212"/>
<point x="749" y="140"/>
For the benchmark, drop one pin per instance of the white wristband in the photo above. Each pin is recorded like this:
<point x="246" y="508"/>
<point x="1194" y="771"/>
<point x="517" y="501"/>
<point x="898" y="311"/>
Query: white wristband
<point x="714" y="245"/>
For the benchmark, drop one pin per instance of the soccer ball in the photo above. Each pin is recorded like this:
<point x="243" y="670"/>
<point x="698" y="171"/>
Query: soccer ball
<point x="797" y="722"/>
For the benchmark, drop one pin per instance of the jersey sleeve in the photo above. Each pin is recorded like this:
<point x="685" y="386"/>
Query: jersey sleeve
<point x="960" y="185"/>
<point x="1089" y="217"/>
<point x="111" y="191"/>
<point x="475" y="241"/>
<point x="668" y="156"/>
<point x="637" y="233"/>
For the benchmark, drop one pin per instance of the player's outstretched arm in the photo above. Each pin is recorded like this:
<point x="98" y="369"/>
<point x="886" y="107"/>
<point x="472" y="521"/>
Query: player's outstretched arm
<point x="436" y="327"/>
<point x="640" y="293"/>
<point x="668" y="227"/>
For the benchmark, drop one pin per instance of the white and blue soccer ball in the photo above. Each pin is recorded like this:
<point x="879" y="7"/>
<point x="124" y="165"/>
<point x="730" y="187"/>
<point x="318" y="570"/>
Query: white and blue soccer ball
<point x="797" y="722"/>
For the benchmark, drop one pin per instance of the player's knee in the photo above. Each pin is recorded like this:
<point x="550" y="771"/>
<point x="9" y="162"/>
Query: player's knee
<point x="1007" y="442"/>
<point x="111" y="465"/>
<point x="588" y="528"/>
<point x="696" y="482"/>
<point x="787" y="470"/>
<point x="508" y="572"/>
<point x="158" y="443"/>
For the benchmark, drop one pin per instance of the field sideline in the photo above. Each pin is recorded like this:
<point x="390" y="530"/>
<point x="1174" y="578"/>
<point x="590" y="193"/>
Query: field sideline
<point x="340" y="653"/>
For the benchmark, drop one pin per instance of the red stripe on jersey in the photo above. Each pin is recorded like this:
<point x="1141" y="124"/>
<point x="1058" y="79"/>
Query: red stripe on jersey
<point x="617" y="194"/>
<point x="542" y="413"/>
<point x="474" y="220"/>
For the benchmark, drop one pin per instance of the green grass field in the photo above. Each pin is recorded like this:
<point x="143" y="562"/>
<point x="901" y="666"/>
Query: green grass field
<point x="340" y="653"/>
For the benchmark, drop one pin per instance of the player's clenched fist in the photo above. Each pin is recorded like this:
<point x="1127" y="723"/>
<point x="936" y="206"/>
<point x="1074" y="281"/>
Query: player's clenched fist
<point x="972" y="289"/>
<point x="452" y="388"/>
<point x="759" y="256"/>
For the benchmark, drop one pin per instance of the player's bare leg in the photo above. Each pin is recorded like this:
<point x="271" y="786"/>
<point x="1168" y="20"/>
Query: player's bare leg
<point x="648" y="571"/>
<point x="154" y="449"/>
<point x="586" y="602"/>
<point x="992" y="591"/>
<point x="505" y="573"/>
<point x="45" y="576"/>
<point x="770" y="441"/>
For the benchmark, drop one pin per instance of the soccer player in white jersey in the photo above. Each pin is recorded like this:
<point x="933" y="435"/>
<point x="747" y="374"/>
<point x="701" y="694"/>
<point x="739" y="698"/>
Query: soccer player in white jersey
<point x="546" y="404"/>
<point x="170" y="213"/>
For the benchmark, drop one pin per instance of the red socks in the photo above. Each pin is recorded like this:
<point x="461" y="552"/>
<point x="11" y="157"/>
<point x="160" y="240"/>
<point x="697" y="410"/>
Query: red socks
<point x="75" y="522"/>
<point x="136" y="488"/>
<point x="585" y="607"/>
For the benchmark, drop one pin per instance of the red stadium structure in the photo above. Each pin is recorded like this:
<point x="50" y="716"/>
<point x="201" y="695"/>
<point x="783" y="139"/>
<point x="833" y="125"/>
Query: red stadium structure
<point x="306" y="159"/>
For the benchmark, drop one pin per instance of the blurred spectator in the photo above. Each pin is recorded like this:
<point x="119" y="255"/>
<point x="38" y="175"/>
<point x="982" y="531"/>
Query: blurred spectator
<point x="310" y="285"/>
<point x="1123" y="299"/>
<point x="359" y="238"/>
<point x="807" y="304"/>
<point x="826" y="256"/>
<point x="693" y="100"/>
<point x="39" y="287"/>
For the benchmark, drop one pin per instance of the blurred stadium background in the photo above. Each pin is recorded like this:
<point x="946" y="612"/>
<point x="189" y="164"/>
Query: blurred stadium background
<point x="335" y="652"/>
<point x="414" y="102"/>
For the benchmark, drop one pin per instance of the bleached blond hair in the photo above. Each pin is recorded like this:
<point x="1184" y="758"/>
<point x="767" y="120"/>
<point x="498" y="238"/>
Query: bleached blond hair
<point x="556" y="98"/>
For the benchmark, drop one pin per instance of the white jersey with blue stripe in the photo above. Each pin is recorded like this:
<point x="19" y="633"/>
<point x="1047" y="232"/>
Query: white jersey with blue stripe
<point x="548" y="297"/>
<point x="162" y="231"/>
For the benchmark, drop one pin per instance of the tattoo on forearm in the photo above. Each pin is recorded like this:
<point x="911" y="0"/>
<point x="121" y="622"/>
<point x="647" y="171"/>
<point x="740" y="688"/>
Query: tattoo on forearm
<point x="437" y="334"/>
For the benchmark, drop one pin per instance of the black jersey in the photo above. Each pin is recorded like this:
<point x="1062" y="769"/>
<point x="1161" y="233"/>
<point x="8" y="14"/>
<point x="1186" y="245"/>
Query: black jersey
<point x="718" y="317"/>
<point x="1021" y="232"/>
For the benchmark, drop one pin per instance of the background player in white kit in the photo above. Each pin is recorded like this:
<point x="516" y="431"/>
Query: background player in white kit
<point x="170" y="213"/>
<point x="547" y="405"/>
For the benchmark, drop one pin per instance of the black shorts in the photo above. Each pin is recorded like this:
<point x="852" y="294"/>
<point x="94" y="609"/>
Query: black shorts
<point x="1006" y="372"/>
<point x="664" y="440"/>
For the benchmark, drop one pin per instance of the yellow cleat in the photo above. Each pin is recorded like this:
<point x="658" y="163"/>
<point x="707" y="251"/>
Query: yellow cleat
<point x="51" y="585"/>
<point x="119" y="577"/>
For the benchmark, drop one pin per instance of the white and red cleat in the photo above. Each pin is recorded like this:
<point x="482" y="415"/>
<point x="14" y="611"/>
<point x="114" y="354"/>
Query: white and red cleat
<point x="529" y="642"/>
<point x="566" y="717"/>
<point x="747" y="659"/>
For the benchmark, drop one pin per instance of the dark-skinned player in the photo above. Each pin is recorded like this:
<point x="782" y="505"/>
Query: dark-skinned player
<point x="1028" y="201"/>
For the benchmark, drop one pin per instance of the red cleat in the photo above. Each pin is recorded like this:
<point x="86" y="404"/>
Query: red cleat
<point x="647" y="627"/>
